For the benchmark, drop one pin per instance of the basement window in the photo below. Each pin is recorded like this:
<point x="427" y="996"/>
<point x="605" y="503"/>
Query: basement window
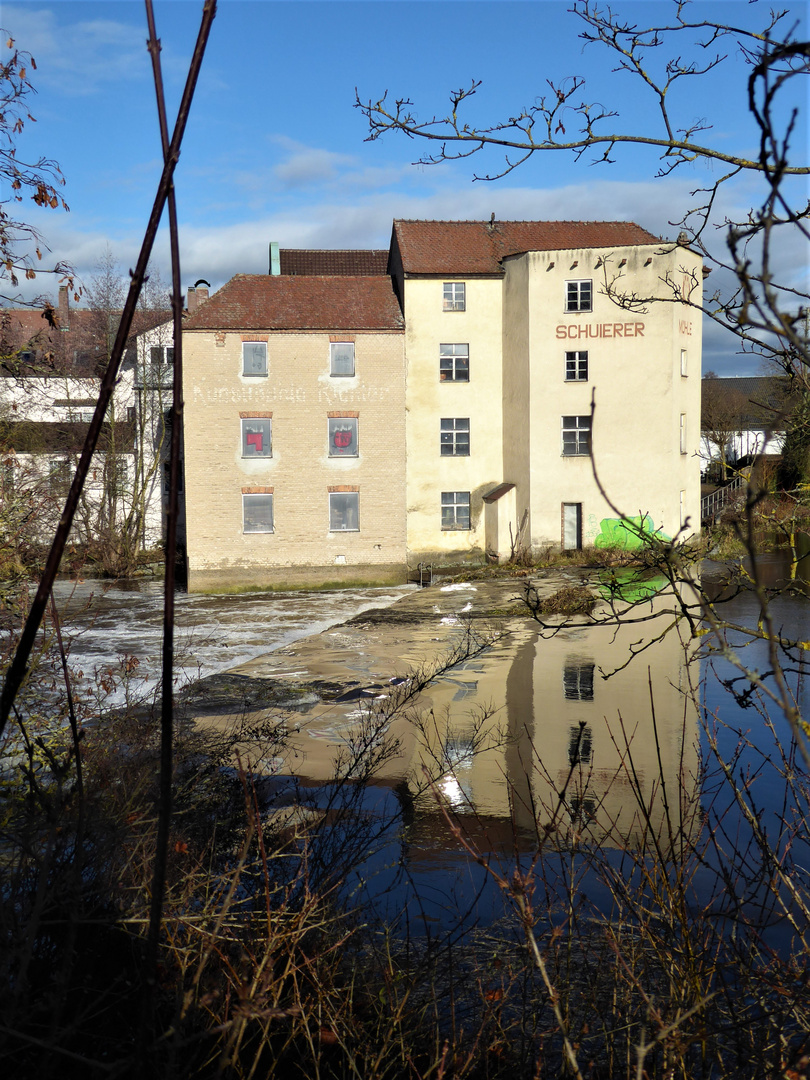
<point x="344" y="511"/>
<point x="257" y="513"/>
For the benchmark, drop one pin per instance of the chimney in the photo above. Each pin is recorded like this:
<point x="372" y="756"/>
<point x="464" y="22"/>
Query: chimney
<point x="275" y="259"/>
<point x="191" y="300"/>
<point x="64" y="308"/>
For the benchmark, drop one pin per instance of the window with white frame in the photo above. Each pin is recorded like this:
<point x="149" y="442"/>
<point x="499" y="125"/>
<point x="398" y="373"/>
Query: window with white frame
<point x="257" y="437"/>
<point x="683" y="363"/>
<point x="158" y="355"/>
<point x="454" y="362"/>
<point x="341" y="358"/>
<point x="257" y="513"/>
<point x="578" y="295"/>
<point x="254" y="358"/>
<point x="343" y="436"/>
<point x="344" y="511"/>
<point x="454" y="296"/>
<point x="454" y="438"/>
<point x="682" y="435"/>
<point x="576" y="367"/>
<point x="455" y="510"/>
<point x="576" y="436"/>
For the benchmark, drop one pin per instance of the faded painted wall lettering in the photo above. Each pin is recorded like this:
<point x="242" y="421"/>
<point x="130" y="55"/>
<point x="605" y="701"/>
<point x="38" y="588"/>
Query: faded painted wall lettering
<point x="685" y="327"/>
<point x="600" y="330"/>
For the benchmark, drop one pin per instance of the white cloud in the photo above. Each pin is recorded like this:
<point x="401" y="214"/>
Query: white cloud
<point x="78" y="57"/>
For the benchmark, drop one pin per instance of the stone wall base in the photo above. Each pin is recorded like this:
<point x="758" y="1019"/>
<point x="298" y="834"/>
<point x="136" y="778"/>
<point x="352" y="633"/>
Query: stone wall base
<point x="280" y="578"/>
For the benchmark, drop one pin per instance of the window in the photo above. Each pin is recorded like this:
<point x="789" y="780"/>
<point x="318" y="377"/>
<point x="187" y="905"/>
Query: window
<point x="454" y="296"/>
<point x="683" y="432"/>
<point x="576" y="436"/>
<point x="454" y="363"/>
<point x="455" y="510"/>
<point x="254" y="358"/>
<point x="344" y="511"/>
<point x="576" y="367"/>
<point x="343" y="436"/>
<point x="683" y="363"/>
<point x="257" y="513"/>
<point x="158" y="355"/>
<point x="578" y="296"/>
<point x="167" y="477"/>
<point x="578" y="680"/>
<point x="257" y="437"/>
<point x="455" y="437"/>
<point x="59" y="477"/>
<point x="341" y="358"/>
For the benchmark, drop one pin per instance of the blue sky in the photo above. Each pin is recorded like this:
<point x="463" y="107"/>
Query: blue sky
<point x="274" y="149"/>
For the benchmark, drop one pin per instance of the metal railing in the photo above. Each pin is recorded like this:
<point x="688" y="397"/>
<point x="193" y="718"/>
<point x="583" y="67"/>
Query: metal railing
<point x="711" y="505"/>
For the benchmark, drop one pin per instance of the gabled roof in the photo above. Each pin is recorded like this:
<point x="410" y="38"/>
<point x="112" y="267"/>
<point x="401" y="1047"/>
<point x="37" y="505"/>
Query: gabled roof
<point x="359" y="262"/>
<point x="477" y="247"/>
<point x="758" y="401"/>
<point x="266" y="302"/>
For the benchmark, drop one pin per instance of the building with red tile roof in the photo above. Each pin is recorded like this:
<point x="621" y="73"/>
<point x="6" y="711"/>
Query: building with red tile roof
<point x="340" y="426"/>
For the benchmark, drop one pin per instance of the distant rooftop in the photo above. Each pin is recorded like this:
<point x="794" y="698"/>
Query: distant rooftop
<point x="359" y="262"/>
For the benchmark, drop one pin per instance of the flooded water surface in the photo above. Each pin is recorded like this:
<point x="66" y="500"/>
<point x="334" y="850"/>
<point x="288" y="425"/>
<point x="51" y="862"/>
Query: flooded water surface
<point x="587" y="738"/>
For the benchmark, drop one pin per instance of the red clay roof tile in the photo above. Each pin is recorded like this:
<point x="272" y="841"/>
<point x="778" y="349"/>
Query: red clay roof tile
<point x="265" y="302"/>
<point x="476" y="247"/>
<point x="356" y="262"/>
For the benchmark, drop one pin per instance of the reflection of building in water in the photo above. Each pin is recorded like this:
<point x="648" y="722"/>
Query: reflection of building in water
<point x="578" y="749"/>
<point x="528" y="729"/>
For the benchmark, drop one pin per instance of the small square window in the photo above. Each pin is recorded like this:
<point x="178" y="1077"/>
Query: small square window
<point x="341" y="356"/>
<point x="578" y="296"/>
<point x="343" y="436"/>
<point x="454" y="363"/>
<point x="576" y="436"/>
<point x="257" y="437"/>
<point x="254" y="358"/>
<point x="454" y="296"/>
<point x="576" y="367"/>
<point x="257" y="513"/>
<point x="344" y="511"/>
<point x="455" y="510"/>
<point x="454" y="439"/>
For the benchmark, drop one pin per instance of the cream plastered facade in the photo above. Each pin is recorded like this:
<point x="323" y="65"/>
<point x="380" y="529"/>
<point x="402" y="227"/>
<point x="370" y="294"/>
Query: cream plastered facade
<point x="429" y="400"/>
<point x="297" y="395"/>
<point x="643" y="374"/>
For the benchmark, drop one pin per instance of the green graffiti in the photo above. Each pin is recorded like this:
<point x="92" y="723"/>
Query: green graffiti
<point x="627" y="533"/>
